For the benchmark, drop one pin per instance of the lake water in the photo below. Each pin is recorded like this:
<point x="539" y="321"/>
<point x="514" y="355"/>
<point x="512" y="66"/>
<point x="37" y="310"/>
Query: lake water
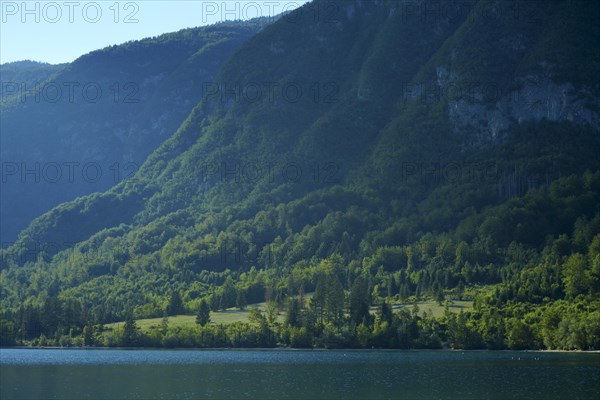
<point x="246" y="374"/>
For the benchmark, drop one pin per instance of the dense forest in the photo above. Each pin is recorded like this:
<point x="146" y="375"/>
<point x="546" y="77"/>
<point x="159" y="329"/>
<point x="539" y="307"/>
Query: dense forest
<point x="528" y="298"/>
<point x="342" y="209"/>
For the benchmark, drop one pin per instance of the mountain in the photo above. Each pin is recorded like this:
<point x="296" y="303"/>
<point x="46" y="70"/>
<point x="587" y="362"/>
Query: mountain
<point x="79" y="128"/>
<point x="380" y="150"/>
<point x="28" y="73"/>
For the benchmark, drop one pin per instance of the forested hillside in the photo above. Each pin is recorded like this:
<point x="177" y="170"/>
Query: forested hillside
<point x="28" y="73"/>
<point x="74" y="129"/>
<point x="369" y="153"/>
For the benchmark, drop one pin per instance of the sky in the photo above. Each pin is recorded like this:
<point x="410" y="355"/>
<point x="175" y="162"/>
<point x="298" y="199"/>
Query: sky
<point x="61" y="31"/>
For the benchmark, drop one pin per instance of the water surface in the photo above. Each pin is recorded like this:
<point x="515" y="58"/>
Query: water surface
<point x="311" y="374"/>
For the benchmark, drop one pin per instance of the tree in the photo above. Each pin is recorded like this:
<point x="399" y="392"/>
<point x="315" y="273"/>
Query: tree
<point x="88" y="335"/>
<point x="359" y="301"/>
<point x="438" y="293"/>
<point x="203" y="315"/>
<point x="492" y="329"/>
<point x="272" y="311"/>
<point x="300" y="338"/>
<point x="334" y="300"/>
<point x="363" y="335"/>
<point x="228" y="294"/>
<point x="50" y="315"/>
<point x="7" y="333"/>
<point x="130" y="331"/>
<point x="576" y="276"/>
<point x="460" y="288"/>
<point x="293" y="312"/>
<point x="318" y="301"/>
<point x="240" y="301"/>
<point x="164" y="324"/>
<point x="256" y="317"/>
<point x="265" y="335"/>
<point x="520" y="336"/>
<point x="175" y="306"/>
<point x="461" y="333"/>
<point x="385" y="312"/>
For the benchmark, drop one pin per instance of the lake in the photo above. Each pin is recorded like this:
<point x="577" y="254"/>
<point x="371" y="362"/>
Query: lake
<point x="296" y="374"/>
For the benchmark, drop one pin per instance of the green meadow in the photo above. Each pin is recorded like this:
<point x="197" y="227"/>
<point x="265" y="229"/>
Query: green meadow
<point x="233" y="315"/>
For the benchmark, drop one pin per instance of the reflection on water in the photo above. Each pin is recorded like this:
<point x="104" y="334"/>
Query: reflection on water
<point x="185" y="374"/>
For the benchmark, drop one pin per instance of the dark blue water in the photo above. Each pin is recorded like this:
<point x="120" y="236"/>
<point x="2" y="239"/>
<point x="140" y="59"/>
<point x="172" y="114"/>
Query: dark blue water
<point x="190" y="374"/>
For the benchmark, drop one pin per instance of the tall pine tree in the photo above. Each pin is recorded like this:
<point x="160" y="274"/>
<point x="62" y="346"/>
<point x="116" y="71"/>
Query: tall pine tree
<point x="203" y="315"/>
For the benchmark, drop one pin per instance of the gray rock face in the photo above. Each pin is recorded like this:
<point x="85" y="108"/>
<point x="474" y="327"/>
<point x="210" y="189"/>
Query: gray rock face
<point x="537" y="98"/>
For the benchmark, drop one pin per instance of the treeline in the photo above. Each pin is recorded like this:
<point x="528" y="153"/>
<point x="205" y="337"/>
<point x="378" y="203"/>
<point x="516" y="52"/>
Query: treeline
<point x="551" y="304"/>
<point x="560" y="325"/>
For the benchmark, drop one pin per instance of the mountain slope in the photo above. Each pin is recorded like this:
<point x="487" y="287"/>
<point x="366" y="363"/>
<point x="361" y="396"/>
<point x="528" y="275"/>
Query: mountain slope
<point x="28" y="73"/>
<point x="424" y="153"/>
<point x="93" y="123"/>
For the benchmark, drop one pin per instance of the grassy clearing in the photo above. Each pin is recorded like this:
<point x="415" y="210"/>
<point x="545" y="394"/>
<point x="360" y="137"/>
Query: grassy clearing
<point x="432" y="306"/>
<point x="221" y="317"/>
<point x="235" y="315"/>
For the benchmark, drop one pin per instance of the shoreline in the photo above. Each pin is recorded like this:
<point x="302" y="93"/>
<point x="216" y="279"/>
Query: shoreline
<point x="286" y="349"/>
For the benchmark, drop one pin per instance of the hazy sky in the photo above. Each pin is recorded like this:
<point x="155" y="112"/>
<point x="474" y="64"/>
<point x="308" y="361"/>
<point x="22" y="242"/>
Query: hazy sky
<point x="60" y="31"/>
